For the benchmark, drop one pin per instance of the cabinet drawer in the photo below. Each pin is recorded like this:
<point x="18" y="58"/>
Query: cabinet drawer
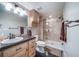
<point x="21" y="53"/>
<point x="13" y="50"/>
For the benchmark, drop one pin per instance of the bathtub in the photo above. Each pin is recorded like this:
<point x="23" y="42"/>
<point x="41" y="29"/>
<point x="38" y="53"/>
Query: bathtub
<point x="55" y="47"/>
<point x="55" y="44"/>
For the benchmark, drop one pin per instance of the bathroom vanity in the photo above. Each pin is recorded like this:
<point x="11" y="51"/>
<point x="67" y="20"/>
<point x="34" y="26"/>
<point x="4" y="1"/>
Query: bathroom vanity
<point x="23" y="48"/>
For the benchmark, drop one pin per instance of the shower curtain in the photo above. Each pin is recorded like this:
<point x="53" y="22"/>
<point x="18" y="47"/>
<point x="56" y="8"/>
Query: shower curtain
<point x="63" y="32"/>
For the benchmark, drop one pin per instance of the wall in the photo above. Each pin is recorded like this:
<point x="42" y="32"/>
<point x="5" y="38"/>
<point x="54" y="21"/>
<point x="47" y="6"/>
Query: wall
<point x="71" y="12"/>
<point x="10" y="19"/>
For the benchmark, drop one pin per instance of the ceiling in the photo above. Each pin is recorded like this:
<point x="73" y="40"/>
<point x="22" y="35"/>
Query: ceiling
<point x="45" y="8"/>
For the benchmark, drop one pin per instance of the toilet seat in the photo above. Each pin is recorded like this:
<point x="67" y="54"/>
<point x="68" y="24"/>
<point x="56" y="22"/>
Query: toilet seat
<point x="40" y="46"/>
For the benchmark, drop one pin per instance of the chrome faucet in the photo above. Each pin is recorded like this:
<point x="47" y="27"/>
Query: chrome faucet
<point x="11" y="36"/>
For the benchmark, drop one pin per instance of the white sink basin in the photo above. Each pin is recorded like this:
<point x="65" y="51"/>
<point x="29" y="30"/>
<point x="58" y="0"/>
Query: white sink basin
<point x="10" y="41"/>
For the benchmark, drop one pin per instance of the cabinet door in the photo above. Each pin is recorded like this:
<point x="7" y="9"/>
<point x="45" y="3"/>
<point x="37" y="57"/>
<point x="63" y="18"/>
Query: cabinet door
<point x="32" y="50"/>
<point x="20" y="54"/>
<point x="32" y="43"/>
<point x="0" y="54"/>
<point x="30" y="17"/>
<point x="33" y="17"/>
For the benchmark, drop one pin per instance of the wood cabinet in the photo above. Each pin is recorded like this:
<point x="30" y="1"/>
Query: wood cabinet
<point x="20" y="50"/>
<point x="32" y="47"/>
<point x="33" y="18"/>
<point x="14" y="50"/>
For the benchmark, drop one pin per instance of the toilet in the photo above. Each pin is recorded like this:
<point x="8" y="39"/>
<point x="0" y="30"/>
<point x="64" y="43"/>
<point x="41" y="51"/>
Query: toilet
<point x="40" y="45"/>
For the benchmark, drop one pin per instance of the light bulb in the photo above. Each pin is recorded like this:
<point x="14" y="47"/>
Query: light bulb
<point x="47" y="23"/>
<point x="8" y="6"/>
<point x="16" y="10"/>
<point x="22" y="12"/>
<point x="50" y="16"/>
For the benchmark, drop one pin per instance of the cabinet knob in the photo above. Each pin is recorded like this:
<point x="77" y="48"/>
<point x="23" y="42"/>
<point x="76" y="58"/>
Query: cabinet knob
<point x="18" y="49"/>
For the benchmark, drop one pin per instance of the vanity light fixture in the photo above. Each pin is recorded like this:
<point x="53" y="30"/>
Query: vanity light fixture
<point x="8" y="6"/>
<point x="19" y="11"/>
<point x="15" y="8"/>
